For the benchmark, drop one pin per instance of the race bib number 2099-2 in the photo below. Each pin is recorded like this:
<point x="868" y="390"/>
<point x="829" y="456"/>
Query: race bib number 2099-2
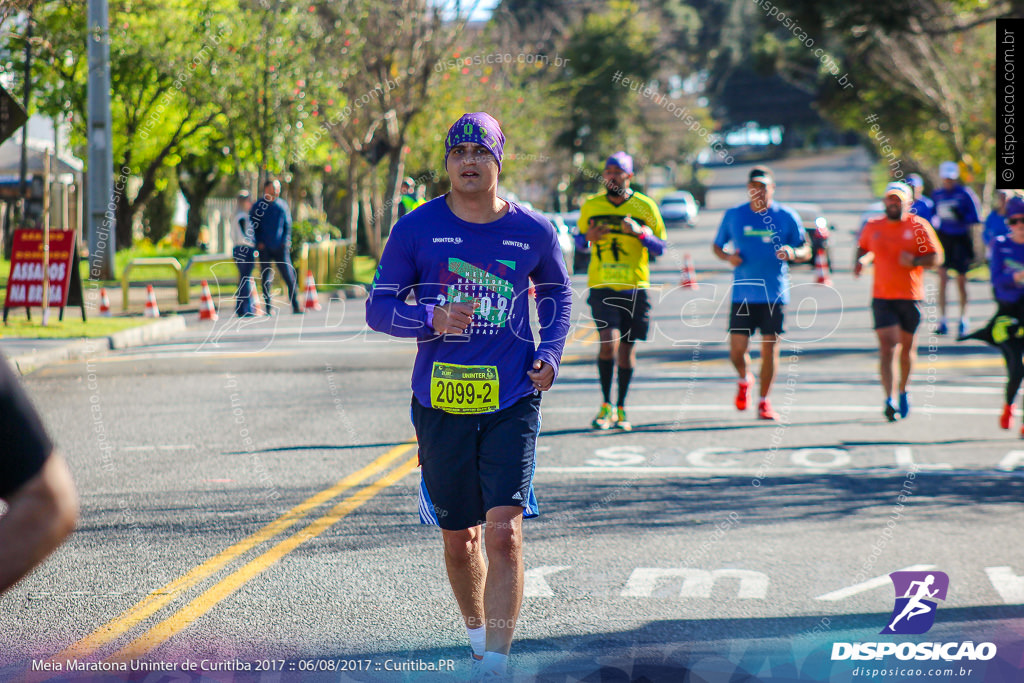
<point x="464" y="389"/>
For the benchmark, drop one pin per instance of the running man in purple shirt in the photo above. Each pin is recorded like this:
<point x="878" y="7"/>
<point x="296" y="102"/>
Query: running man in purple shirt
<point x="468" y="258"/>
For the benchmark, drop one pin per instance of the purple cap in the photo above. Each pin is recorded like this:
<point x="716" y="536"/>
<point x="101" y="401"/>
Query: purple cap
<point x="915" y="180"/>
<point x="479" y="127"/>
<point x="622" y="160"/>
<point x="1015" y="206"/>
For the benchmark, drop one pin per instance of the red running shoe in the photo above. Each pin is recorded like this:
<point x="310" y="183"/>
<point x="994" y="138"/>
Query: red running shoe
<point x="743" y="392"/>
<point x="1006" y="419"/>
<point x="765" y="412"/>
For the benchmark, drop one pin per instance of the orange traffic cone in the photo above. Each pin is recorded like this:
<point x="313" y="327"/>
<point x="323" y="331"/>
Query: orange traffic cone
<point x="206" y="308"/>
<point x="104" y="303"/>
<point x="152" y="310"/>
<point x="821" y="263"/>
<point x="312" y="300"/>
<point x="254" y="297"/>
<point x="689" y="273"/>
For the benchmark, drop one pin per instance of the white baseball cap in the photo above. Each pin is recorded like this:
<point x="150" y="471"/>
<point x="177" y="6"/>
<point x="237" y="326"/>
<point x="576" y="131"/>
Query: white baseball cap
<point x="902" y="190"/>
<point x="949" y="169"/>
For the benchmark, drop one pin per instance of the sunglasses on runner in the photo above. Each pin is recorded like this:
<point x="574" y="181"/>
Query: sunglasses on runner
<point x="1014" y="221"/>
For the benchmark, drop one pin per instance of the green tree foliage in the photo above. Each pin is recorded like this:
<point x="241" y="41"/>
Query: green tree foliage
<point x="188" y="80"/>
<point x="619" y="42"/>
<point x="924" y="68"/>
<point x="375" y="62"/>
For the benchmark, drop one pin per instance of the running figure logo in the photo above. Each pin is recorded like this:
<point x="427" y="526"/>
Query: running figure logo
<point x="914" y="612"/>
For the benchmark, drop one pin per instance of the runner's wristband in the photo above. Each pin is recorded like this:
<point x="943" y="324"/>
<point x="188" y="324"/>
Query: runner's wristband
<point x="430" y="316"/>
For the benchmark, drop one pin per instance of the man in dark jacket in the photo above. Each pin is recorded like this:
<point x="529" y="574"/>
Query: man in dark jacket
<point x="272" y="230"/>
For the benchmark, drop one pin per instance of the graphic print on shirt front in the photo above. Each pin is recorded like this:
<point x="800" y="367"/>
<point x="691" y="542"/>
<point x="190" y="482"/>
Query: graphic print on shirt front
<point x="468" y="282"/>
<point x="618" y="252"/>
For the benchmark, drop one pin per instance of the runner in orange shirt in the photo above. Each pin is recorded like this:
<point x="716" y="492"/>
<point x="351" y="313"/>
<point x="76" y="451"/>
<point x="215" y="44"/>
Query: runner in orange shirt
<point x="902" y="245"/>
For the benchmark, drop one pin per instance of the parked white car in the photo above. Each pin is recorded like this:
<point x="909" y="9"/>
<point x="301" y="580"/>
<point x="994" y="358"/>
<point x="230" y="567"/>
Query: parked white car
<point x="679" y="209"/>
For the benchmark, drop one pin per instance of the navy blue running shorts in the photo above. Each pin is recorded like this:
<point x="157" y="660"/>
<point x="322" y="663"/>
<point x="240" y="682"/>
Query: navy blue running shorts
<point x="472" y="463"/>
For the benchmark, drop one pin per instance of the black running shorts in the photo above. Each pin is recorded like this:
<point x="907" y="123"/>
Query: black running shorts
<point x="627" y="310"/>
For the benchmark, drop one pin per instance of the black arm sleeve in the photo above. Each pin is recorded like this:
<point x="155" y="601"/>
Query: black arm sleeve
<point x="24" y="445"/>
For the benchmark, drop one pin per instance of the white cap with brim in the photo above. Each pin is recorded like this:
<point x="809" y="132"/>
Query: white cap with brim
<point x="902" y="190"/>
<point x="948" y="170"/>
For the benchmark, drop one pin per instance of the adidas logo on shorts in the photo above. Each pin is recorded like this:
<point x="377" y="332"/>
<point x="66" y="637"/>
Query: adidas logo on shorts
<point x="518" y="496"/>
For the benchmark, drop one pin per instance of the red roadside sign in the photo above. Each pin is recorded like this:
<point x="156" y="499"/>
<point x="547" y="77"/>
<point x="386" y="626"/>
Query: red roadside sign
<point x="25" y="282"/>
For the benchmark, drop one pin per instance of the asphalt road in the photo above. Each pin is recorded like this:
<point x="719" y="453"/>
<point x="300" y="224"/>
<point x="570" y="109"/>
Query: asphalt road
<point x="248" y="498"/>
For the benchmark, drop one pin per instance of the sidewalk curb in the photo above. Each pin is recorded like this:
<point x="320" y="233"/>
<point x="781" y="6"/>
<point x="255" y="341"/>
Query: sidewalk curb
<point x="145" y="334"/>
<point x="79" y="349"/>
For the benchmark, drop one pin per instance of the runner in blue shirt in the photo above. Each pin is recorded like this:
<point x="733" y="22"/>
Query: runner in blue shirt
<point x="922" y="206"/>
<point x="995" y="223"/>
<point x="956" y="208"/>
<point x="765" y="237"/>
<point x="468" y="258"/>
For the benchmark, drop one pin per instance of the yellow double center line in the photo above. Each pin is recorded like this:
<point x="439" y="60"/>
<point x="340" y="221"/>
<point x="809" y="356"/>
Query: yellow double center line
<point x="228" y="585"/>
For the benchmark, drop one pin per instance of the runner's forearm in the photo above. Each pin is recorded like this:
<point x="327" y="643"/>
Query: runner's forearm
<point x="654" y="244"/>
<point x="388" y="313"/>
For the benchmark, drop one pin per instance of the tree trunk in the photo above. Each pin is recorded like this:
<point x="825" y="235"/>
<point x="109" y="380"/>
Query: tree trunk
<point x="393" y="184"/>
<point x="197" y="189"/>
<point x="350" y="228"/>
<point x="371" y="226"/>
<point x="124" y="218"/>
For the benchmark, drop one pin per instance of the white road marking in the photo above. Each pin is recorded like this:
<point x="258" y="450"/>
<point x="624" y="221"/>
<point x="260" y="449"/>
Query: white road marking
<point x="905" y="460"/>
<point x="697" y="583"/>
<point x="729" y="408"/>
<point x="1010" y="462"/>
<point x="697" y="457"/>
<point x="1010" y="586"/>
<point x="535" y="583"/>
<point x="617" y="456"/>
<point x="837" y="457"/>
<point x="870" y="584"/>
<point x="694" y="471"/>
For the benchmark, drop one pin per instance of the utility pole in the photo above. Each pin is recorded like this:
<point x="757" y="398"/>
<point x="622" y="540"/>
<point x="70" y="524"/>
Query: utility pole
<point x="101" y="214"/>
<point x="23" y="169"/>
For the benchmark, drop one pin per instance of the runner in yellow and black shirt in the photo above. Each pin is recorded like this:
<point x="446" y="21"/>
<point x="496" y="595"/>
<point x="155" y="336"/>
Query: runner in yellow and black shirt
<point x="622" y="227"/>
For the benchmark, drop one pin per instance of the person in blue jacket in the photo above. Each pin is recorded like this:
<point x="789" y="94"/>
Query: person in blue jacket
<point x="956" y="207"/>
<point x="468" y="258"/>
<point x="1005" y="330"/>
<point x="922" y="206"/>
<point x="995" y="222"/>
<point x="272" y="230"/>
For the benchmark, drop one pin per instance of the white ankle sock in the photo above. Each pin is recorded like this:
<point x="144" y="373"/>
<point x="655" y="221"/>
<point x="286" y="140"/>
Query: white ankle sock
<point x="495" y="661"/>
<point x="477" y="639"/>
